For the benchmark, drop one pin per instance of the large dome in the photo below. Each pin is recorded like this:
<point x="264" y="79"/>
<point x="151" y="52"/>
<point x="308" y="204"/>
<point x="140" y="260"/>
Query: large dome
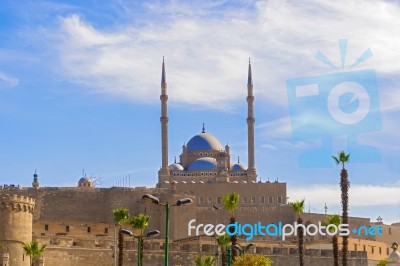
<point x="204" y="163"/>
<point x="204" y="141"/>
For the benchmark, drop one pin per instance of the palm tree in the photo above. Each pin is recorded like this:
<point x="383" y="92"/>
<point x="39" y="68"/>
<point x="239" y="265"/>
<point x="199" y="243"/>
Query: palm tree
<point x="207" y="261"/>
<point x="141" y="223"/>
<point x="121" y="216"/>
<point x="298" y="207"/>
<point x="231" y="202"/>
<point x="34" y="250"/>
<point x="334" y="220"/>
<point x="343" y="158"/>
<point x="223" y="242"/>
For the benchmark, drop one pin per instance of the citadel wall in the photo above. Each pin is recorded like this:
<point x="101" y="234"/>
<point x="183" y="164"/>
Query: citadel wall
<point x="16" y="227"/>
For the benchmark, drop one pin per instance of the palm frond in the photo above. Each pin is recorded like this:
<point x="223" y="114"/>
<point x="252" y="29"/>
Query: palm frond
<point x="231" y="202"/>
<point x="298" y="206"/>
<point x="121" y="215"/>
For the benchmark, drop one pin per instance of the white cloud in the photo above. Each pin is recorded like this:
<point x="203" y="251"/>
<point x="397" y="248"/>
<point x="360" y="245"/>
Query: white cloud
<point x="359" y="195"/>
<point x="7" y="81"/>
<point x="207" y="46"/>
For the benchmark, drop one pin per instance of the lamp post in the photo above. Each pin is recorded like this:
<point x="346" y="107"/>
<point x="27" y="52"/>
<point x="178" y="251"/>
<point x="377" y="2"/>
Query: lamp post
<point x="115" y="244"/>
<point x="155" y="200"/>
<point x="229" y="260"/>
<point x="215" y="208"/>
<point x="150" y="233"/>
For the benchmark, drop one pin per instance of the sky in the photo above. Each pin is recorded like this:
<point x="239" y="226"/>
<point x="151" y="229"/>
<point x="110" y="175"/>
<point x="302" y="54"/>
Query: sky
<point x="80" y="85"/>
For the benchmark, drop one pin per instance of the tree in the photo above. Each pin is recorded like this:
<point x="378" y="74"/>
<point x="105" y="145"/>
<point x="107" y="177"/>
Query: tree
<point x="252" y="260"/>
<point x="334" y="220"/>
<point x="298" y="207"/>
<point x="343" y="158"/>
<point x="34" y="250"/>
<point x="231" y="202"/>
<point x="223" y="242"/>
<point x="207" y="261"/>
<point x="121" y="216"/>
<point x="141" y="223"/>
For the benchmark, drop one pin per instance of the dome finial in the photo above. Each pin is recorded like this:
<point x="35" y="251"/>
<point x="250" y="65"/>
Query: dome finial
<point x="174" y="159"/>
<point x="204" y="129"/>
<point x="238" y="159"/>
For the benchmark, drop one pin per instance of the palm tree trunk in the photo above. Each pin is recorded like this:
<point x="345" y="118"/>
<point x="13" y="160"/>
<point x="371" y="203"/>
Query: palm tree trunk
<point x="141" y="249"/>
<point x="223" y="256"/>
<point x="344" y="186"/>
<point x="300" y="233"/>
<point x="233" y="238"/>
<point x="335" y="246"/>
<point x="120" y="248"/>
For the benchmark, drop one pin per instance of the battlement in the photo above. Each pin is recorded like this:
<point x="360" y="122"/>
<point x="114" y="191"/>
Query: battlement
<point x="17" y="202"/>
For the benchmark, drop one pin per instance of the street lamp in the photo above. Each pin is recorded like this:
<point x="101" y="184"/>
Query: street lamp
<point x="149" y="234"/>
<point x="155" y="200"/>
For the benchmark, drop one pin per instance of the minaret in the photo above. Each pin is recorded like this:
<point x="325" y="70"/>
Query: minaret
<point x="164" y="171"/>
<point x="35" y="182"/>
<point x="250" y="126"/>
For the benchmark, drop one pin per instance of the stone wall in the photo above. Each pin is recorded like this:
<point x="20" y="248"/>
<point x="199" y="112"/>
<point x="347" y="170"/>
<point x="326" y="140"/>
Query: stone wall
<point x="184" y="255"/>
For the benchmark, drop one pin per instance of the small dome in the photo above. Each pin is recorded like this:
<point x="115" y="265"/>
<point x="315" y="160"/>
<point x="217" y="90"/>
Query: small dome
<point x="84" y="180"/>
<point x="204" y="163"/>
<point x="175" y="167"/>
<point x="204" y="141"/>
<point x="394" y="257"/>
<point x="238" y="167"/>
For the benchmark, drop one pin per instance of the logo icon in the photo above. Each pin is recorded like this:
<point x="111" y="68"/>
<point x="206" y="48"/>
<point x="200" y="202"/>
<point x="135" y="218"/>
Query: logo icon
<point x="344" y="103"/>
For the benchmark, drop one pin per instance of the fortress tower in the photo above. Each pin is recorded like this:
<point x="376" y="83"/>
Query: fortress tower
<point x="15" y="227"/>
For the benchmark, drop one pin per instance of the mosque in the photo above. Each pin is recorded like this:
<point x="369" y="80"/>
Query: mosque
<point x="204" y="159"/>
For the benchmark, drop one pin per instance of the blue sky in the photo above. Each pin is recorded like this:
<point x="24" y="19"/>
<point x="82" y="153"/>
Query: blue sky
<point x="80" y="85"/>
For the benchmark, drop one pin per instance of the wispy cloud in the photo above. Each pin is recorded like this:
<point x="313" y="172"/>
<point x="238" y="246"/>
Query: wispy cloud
<point x="207" y="48"/>
<point x="7" y="80"/>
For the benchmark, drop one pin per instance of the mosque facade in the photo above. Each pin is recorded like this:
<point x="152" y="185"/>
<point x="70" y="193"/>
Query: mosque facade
<point x="203" y="158"/>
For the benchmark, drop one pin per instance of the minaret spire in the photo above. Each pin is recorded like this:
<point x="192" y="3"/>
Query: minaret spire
<point x="250" y="125"/>
<point x="164" y="124"/>
<point x="163" y="77"/>
<point x="249" y="75"/>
